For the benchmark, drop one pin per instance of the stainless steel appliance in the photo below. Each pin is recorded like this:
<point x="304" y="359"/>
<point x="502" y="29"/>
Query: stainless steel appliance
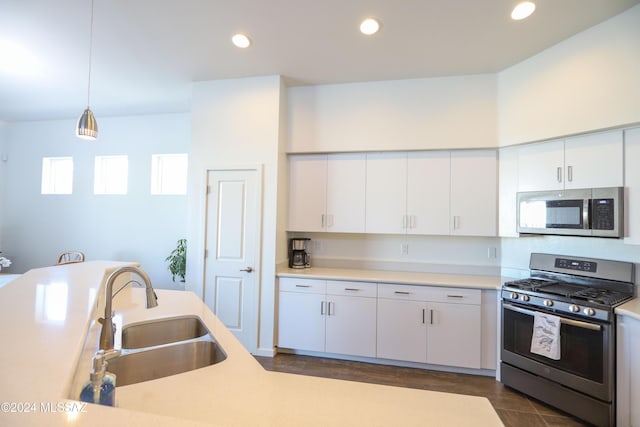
<point x="578" y="212"/>
<point x="582" y="294"/>
<point x="298" y="253"/>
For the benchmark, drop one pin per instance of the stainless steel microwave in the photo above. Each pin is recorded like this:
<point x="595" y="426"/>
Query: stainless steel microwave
<point x="578" y="212"/>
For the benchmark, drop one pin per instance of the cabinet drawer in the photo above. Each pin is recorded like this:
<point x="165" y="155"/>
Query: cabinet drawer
<point x="356" y="289"/>
<point x="310" y="286"/>
<point x="429" y="293"/>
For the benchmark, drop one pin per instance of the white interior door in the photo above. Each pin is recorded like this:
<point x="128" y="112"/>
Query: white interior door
<point x="231" y="285"/>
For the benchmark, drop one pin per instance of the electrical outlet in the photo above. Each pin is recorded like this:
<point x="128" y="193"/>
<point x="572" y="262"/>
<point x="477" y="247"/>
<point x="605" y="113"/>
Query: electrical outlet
<point x="404" y="249"/>
<point x="317" y="245"/>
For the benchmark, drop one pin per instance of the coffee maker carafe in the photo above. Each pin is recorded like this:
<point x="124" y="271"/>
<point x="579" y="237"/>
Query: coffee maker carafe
<point x="298" y="256"/>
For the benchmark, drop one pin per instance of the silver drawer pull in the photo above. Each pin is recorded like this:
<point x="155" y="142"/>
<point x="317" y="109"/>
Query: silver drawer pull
<point x="455" y="296"/>
<point x="303" y="286"/>
<point x="352" y="289"/>
<point x="402" y="292"/>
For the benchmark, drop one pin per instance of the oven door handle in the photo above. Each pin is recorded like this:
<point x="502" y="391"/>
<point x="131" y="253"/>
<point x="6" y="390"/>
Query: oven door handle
<point x="571" y="322"/>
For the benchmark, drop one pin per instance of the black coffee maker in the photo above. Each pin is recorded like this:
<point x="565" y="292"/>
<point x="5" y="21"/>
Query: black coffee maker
<point x="298" y="256"/>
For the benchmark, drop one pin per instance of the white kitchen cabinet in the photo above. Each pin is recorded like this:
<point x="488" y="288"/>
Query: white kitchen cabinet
<point x="301" y="319"/>
<point x="585" y="161"/>
<point x="474" y="193"/>
<point x="327" y="192"/>
<point x="507" y="191"/>
<point x="632" y="186"/>
<point x="307" y="192"/>
<point x="430" y="325"/>
<point x="386" y="193"/>
<point x="628" y="375"/>
<point x="428" y="192"/>
<point x="408" y="193"/>
<point x="327" y="316"/>
<point x="351" y="318"/>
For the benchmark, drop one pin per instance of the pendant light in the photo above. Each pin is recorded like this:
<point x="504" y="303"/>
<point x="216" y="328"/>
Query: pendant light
<point x="87" y="127"/>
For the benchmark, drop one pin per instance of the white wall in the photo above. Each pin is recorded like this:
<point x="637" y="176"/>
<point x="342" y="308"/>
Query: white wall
<point x="133" y="227"/>
<point x="237" y="122"/>
<point x="3" y="151"/>
<point x="585" y="83"/>
<point x="433" y="113"/>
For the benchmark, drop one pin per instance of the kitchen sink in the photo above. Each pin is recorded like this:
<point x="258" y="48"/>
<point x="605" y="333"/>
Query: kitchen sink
<point x="162" y="331"/>
<point x="159" y="362"/>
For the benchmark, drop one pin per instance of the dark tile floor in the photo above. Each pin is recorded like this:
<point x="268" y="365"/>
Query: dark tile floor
<point x="514" y="408"/>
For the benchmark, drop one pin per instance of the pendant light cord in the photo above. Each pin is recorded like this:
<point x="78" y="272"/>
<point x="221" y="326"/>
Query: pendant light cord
<point x="90" y="57"/>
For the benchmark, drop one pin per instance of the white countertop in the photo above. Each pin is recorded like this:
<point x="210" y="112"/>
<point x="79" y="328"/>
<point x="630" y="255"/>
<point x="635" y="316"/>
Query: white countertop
<point x="630" y="309"/>
<point x="399" y="277"/>
<point x="47" y="314"/>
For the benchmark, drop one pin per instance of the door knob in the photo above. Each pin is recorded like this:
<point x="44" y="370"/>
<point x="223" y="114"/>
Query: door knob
<point x="248" y="269"/>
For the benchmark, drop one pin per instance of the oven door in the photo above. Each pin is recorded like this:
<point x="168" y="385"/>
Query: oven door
<point x="586" y="350"/>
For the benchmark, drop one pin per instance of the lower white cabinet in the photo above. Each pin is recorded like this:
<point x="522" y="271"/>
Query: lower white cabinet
<point x="430" y="325"/>
<point x="334" y="317"/>
<point x="424" y="324"/>
<point x="628" y="375"/>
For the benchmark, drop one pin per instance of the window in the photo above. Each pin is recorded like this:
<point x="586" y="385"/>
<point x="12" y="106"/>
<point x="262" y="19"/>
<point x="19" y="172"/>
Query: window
<point x="57" y="175"/>
<point x="111" y="175"/>
<point x="169" y="174"/>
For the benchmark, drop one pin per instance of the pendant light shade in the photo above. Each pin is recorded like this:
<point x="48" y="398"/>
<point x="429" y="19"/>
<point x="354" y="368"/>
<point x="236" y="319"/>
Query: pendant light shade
<point x="87" y="127"/>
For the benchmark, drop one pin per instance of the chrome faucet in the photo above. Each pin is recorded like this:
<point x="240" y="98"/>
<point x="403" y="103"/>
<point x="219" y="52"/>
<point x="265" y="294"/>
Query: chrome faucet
<point x="108" y="328"/>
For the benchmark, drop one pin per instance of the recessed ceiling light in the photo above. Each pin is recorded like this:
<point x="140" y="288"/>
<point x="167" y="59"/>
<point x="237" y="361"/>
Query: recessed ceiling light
<point x="522" y="10"/>
<point x="241" y="40"/>
<point x="369" y="26"/>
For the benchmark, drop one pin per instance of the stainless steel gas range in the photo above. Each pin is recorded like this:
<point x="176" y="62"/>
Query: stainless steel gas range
<point x="558" y="333"/>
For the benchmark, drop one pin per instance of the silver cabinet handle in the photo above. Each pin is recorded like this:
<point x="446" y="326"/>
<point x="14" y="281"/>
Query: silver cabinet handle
<point x="248" y="269"/>
<point x="322" y="221"/>
<point x="570" y="173"/>
<point x="402" y="292"/>
<point x="303" y="286"/>
<point x="329" y="305"/>
<point x="431" y="317"/>
<point x="322" y="303"/>
<point x="352" y="289"/>
<point x="456" y="222"/>
<point x="559" y="173"/>
<point x="404" y="222"/>
<point x="455" y="296"/>
<point x="423" y="315"/>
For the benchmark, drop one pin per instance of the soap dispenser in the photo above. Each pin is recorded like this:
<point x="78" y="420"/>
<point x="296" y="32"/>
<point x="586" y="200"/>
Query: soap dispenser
<point x="101" y="387"/>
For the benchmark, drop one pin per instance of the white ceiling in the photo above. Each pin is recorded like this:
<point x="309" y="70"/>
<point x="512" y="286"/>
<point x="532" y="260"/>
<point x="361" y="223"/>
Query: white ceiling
<point x="147" y="52"/>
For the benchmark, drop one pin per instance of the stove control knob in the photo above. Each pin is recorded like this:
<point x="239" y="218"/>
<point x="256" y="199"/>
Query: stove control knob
<point x="513" y="295"/>
<point x="574" y="308"/>
<point x="524" y="298"/>
<point x="589" y="311"/>
<point x="547" y="303"/>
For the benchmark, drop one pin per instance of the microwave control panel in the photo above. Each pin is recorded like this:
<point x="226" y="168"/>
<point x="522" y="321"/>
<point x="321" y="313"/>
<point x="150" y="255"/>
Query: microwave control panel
<point x="602" y="214"/>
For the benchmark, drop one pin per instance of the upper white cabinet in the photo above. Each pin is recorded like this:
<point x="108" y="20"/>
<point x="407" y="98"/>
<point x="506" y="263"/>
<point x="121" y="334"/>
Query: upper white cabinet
<point x="632" y="185"/>
<point x="474" y="193"/>
<point x="327" y="192"/>
<point x="307" y="192"/>
<point x="585" y="161"/>
<point x="386" y="193"/>
<point x="408" y="193"/>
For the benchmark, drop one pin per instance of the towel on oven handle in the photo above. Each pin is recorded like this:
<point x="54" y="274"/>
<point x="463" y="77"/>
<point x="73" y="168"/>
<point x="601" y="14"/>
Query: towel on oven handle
<point x="545" y="340"/>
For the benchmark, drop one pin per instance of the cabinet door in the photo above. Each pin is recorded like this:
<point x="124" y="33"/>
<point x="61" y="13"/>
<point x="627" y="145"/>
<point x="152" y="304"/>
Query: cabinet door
<point x="307" y="192"/>
<point x="301" y="321"/>
<point x="351" y="325"/>
<point x="541" y="166"/>
<point x="402" y="330"/>
<point x="346" y="175"/>
<point x="474" y="187"/>
<point x="594" y="160"/>
<point x="632" y="186"/>
<point x="453" y="335"/>
<point x="386" y="193"/>
<point x="428" y="192"/>
<point x="507" y="191"/>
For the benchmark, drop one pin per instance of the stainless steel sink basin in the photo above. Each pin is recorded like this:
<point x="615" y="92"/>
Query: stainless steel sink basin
<point x="162" y="331"/>
<point x="159" y="362"/>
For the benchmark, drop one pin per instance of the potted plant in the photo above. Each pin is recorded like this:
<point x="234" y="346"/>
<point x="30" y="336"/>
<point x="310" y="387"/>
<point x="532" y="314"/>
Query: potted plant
<point x="178" y="260"/>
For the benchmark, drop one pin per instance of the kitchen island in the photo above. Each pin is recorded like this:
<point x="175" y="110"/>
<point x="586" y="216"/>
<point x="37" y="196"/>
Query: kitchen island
<point x="48" y="317"/>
